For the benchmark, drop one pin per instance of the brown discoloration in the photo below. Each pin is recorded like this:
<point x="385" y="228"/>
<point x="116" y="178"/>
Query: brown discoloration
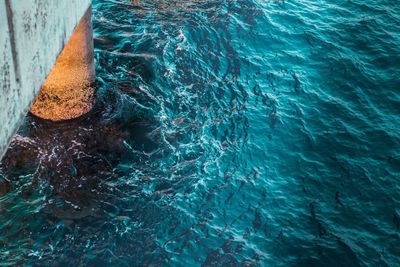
<point x="68" y="92"/>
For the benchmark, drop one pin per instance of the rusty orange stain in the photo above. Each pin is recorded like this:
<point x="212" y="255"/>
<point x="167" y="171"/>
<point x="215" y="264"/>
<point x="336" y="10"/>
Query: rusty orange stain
<point x="67" y="92"/>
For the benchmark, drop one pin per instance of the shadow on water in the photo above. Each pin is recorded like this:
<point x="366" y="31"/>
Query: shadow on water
<point x="75" y="157"/>
<point x="225" y="133"/>
<point x="65" y="169"/>
<point x="97" y="189"/>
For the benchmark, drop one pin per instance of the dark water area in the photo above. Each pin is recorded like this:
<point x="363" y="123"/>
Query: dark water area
<point x="225" y="133"/>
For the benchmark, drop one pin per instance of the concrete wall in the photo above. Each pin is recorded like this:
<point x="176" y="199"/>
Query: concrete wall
<point x="32" y="35"/>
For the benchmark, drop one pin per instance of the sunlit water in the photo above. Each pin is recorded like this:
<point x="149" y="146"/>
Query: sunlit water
<point x="225" y="133"/>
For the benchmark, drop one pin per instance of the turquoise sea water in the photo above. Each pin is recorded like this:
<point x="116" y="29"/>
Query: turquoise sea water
<point x="225" y="133"/>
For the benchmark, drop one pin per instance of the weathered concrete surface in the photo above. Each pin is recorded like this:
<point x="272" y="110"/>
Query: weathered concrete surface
<point x="32" y="35"/>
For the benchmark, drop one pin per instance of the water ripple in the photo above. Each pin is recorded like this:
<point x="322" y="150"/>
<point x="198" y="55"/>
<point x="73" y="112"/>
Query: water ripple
<point x="225" y="133"/>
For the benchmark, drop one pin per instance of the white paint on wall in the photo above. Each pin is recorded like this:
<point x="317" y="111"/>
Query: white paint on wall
<point x="32" y="35"/>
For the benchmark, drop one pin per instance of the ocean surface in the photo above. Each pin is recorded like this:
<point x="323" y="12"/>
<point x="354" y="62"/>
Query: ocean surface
<point x="225" y="133"/>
